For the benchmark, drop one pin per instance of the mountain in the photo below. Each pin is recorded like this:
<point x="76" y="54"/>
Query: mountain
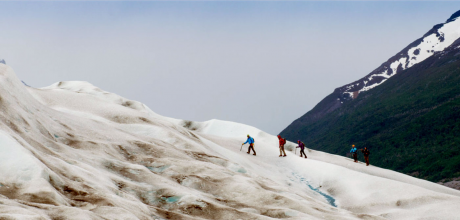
<point x="74" y="151"/>
<point x="437" y="39"/>
<point x="405" y="110"/>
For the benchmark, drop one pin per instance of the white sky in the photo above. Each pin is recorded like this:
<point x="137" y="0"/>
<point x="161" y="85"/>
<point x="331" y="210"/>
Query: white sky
<point x="260" y="63"/>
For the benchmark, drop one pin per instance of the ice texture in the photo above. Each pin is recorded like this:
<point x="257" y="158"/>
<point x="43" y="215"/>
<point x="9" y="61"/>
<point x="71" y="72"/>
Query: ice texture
<point x="74" y="151"/>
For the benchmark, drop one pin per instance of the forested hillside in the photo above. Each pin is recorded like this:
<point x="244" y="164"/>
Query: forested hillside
<point x="411" y="123"/>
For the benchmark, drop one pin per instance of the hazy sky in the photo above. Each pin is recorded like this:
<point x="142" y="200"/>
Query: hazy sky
<point x="264" y="64"/>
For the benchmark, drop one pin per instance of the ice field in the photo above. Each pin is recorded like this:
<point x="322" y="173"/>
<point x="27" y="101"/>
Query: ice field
<point x="74" y="151"/>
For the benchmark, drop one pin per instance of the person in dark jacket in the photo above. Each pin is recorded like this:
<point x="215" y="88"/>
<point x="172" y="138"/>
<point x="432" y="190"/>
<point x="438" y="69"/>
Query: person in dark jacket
<point x="302" y="147"/>
<point x="366" y="153"/>
<point x="250" y="141"/>
<point x="282" y="143"/>
<point x="354" y="152"/>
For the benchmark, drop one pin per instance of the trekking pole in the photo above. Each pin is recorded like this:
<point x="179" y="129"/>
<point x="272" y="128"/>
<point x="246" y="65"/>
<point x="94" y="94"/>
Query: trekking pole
<point x="295" y="153"/>
<point x="241" y="147"/>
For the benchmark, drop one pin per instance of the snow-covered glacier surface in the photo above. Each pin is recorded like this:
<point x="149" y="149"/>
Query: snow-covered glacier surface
<point x="74" y="151"/>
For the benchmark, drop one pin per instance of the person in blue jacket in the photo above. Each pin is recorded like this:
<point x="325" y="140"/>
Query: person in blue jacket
<point x="250" y="141"/>
<point x="354" y="151"/>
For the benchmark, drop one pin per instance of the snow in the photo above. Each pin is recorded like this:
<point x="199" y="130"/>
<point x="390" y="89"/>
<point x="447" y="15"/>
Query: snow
<point x="366" y="88"/>
<point x="450" y="31"/>
<point x="74" y="151"/>
<point x="383" y="74"/>
<point x="349" y="93"/>
<point x="17" y="165"/>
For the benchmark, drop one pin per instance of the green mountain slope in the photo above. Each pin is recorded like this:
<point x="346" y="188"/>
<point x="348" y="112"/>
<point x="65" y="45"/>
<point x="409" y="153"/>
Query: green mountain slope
<point x="411" y="123"/>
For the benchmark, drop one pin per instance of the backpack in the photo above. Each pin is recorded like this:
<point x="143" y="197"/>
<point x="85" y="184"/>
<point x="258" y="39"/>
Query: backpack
<point x="284" y="141"/>
<point x="366" y="152"/>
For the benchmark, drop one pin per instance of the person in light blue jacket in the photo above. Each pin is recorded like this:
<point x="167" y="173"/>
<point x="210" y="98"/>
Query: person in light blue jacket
<point x="250" y="141"/>
<point x="354" y="151"/>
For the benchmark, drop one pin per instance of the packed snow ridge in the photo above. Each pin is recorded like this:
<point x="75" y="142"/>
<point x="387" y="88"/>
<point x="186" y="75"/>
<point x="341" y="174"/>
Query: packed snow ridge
<point x="74" y="151"/>
<point x="438" y="39"/>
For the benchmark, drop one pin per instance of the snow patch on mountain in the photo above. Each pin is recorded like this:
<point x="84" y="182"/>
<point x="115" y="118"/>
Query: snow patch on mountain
<point x="440" y="37"/>
<point x="435" y="42"/>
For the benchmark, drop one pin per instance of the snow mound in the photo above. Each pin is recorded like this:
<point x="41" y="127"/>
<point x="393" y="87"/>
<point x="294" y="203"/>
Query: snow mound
<point x="74" y="151"/>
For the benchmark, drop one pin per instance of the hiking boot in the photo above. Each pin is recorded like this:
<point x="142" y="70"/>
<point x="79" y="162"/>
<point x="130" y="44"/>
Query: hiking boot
<point x="284" y="155"/>
<point x="254" y="154"/>
<point x="247" y="152"/>
<point x="281" y="155"/>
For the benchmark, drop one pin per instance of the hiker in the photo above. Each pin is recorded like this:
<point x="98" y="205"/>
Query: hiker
<point x="302" y="147"/>
<point x="354" y="152"/>
<point x="282" y="143"/>
<point x="250" y="141"/>
<point x="366" y="153"/>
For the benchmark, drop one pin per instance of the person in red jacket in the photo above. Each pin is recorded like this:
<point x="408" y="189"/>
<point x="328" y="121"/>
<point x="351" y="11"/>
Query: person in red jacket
<point x="282" y="143"/>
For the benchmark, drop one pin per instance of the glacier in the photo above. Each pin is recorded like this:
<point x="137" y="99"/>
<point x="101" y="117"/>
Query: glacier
<point x="74" y="151"/>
